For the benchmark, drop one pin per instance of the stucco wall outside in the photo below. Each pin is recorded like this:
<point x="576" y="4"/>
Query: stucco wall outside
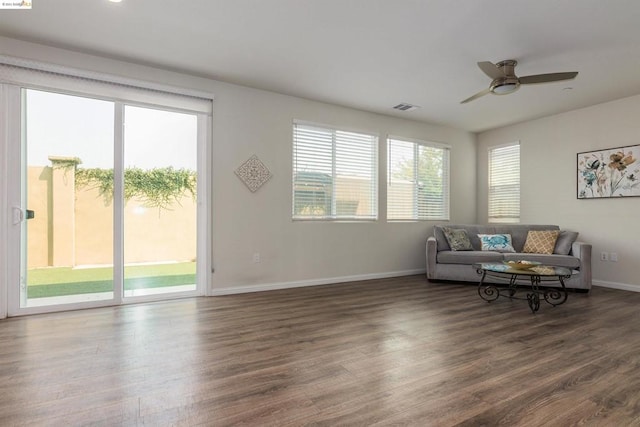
<point x="74" y="226"/>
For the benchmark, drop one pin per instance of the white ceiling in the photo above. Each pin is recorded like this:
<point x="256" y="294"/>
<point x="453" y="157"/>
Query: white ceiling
<point x="366" y="54"/>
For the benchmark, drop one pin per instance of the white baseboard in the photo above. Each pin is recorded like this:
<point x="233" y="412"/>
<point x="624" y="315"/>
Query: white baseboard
<point x="242" y="289"/>
<point x="616" y="285"/>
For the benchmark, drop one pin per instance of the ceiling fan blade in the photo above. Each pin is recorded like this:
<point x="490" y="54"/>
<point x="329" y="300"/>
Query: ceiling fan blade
<point x="490" y="69"/>
<point x="547" y="78"/>
<point x="476" y="96"/>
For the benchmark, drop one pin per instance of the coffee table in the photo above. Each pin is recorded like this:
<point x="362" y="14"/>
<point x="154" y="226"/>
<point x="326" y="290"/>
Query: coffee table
<point x="536" y="276"/>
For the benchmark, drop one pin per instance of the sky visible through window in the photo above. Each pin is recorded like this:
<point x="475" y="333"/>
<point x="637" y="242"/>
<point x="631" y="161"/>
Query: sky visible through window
<point x="73" y="126"/>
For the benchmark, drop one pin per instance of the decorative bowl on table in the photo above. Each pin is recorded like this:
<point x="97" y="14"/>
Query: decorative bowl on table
<point x="522" y="264"/>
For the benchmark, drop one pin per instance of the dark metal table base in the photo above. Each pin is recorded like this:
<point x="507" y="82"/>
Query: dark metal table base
<point x="553" y="296"/>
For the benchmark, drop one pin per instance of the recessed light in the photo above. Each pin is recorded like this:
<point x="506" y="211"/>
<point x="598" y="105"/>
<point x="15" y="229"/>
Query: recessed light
<point x="115" y="1"/>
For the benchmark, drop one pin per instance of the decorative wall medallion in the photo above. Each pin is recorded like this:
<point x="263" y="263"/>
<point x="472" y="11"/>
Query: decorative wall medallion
<point x="253" y="173"/>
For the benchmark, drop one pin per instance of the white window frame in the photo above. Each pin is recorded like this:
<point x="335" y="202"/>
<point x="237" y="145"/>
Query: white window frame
<point x="334" y="215"/>
<point x="509" y="192"/>
<point x="446" y="183"/>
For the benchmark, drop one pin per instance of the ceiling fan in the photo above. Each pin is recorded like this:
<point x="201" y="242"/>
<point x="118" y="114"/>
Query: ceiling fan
<point x="505" y="81"/>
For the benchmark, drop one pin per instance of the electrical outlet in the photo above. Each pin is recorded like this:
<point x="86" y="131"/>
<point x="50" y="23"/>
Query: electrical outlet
<point x="604" y="256"/>
<point x="256" y="257"/>
<point x="613" y="256"/>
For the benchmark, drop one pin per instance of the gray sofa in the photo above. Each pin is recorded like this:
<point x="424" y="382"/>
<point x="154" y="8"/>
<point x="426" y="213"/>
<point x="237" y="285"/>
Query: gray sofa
<point x="443" y="264"/>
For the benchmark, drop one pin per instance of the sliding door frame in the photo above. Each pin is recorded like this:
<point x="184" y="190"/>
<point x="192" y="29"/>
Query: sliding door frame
<point x="12" y="121"/>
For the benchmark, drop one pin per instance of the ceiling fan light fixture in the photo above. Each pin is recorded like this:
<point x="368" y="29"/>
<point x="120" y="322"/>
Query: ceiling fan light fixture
<point x="505" y="85"/>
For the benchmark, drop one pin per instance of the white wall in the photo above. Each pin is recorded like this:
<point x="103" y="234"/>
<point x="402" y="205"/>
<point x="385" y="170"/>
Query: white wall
<point x="548" y="151"/>
<point x="249" y="121"/>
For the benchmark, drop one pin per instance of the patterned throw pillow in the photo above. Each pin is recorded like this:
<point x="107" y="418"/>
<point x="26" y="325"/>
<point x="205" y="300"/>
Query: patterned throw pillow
<point x="496" y="242"/>
<point x="457" y="238"/>
<point x="540" y="242"/>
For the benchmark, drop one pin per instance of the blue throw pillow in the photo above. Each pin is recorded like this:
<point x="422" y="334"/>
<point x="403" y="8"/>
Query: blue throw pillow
<point x="496" y="242"/>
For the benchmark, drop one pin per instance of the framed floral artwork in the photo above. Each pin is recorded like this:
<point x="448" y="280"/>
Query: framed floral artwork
<point x="613" y="172"/>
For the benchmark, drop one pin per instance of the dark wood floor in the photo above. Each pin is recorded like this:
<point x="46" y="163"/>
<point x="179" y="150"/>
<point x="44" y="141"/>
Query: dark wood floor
<point x="382" y="352"/>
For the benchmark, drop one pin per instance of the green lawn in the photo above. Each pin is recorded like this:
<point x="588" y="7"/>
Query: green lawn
<point x="60" y="281"/>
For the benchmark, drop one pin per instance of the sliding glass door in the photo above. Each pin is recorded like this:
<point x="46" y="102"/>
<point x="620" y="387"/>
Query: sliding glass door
<point x="160" y="189"/>
<point x="67" y="228"/>
<point x="105" y="201"/>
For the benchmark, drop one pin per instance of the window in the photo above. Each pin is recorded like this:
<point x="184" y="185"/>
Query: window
<point x="504" y="183"/>
<point x="334" y="174"/>
<point x="417" y="180"/>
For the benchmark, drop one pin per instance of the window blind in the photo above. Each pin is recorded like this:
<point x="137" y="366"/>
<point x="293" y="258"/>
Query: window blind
<point x="504" y="183"/>
<point x="334" y="174"/>
<point x="417" y="180"/>
<point x="36" y="75"/>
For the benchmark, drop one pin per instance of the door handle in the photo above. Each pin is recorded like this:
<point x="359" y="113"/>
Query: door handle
<point x="18" y="215"/>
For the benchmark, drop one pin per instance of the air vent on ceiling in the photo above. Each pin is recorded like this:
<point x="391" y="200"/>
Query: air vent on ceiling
<point x="403" y="106"/>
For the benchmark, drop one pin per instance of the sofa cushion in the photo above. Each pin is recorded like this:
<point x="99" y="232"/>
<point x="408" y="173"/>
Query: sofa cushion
<point x="496" y="242"/>
<point x="441" y="241"/>
<point x="564" y="242"/>
<point x="468" y="257"/>
<point x="541" y="242"/>
<point x="458" y="239"/>
<point x="519" y="232"/>
<point x="472" y="232"/>
<point x="567" y="261"/>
